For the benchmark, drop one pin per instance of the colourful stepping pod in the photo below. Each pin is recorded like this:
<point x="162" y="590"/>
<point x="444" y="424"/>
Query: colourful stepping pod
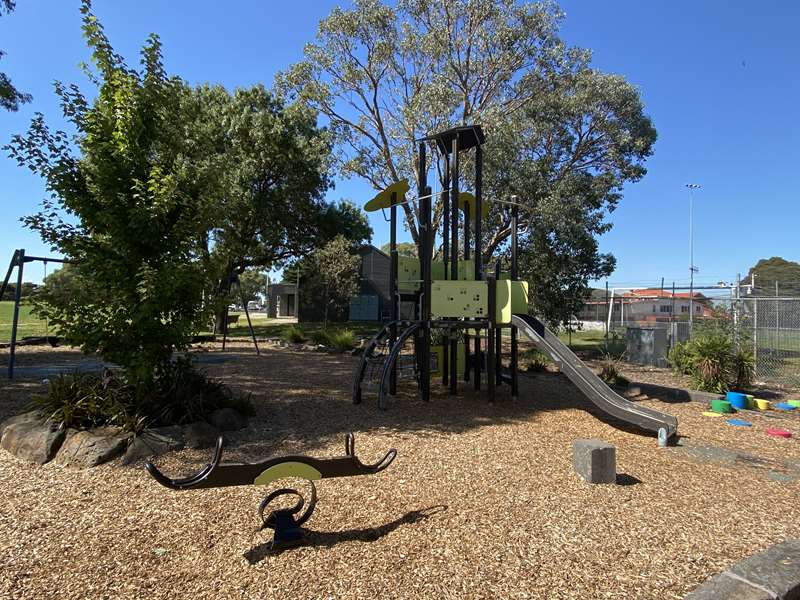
<point x="740" y="423"/>
<point x="785" y="406"/>
<point x="721" y="406"/>
<point x="795" y="403"/>
<point x="708" y="413"/>
<point x="779" y="433"/>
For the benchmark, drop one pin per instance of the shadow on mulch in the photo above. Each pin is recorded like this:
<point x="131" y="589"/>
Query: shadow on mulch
<point x="624" y="479"/>
<point x="328" y="539"/>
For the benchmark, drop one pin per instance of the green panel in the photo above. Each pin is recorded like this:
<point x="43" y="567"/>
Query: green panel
<point x="287" y="469"/>
<point x="458" y="299"/>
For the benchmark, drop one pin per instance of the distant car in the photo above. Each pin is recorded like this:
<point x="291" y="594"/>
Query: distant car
<point x="253" y="305"/>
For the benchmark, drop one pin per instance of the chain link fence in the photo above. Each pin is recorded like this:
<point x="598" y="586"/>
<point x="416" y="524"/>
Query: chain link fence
<point x="768" y="327"/>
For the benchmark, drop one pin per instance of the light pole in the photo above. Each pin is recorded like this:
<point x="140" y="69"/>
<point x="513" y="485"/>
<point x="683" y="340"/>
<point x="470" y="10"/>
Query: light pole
<point x="692" y="269"/>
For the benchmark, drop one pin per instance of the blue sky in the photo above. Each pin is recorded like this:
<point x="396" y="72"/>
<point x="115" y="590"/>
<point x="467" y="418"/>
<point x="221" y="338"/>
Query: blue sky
<point x="718" y="78"/>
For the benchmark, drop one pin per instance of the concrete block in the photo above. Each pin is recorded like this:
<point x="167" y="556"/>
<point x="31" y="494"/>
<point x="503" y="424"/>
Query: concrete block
<point x="595" y="460"/>
<point x="776" y="569"/>
<point x="723" y="587"/>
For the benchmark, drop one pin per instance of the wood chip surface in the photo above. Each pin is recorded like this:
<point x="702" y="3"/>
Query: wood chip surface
<point x="482" y="501"/>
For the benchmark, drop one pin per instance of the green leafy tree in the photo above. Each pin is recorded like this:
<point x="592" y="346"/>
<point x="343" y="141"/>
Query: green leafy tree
<point x="10" y="96"/>
<point x="29" y="290"/>
<point x="768" y="272"/>
<point x="403" y="249"/>
<point x="272" y="165"/>
<point x="562" y="136"/>
<point x="331" y="277"/>
<point x="252" y="285"/>
<point x="127" y="204"/>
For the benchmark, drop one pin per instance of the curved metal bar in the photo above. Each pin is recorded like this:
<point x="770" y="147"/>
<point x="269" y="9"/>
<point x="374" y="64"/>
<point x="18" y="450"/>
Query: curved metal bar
<point x="350" y="450"/>
<point x="187" y="482"/>
<point x="367" y="353"/>
<point x="391" y="359"/>
<point x="270" y="521"/>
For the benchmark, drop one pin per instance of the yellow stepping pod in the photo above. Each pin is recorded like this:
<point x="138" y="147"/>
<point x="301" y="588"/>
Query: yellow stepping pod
<point x="712" y="414"/>
<point x="287" y="469"/>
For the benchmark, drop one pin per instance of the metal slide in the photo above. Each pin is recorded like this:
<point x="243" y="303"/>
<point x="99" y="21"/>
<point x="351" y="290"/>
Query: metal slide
<point x="590" y="384"/>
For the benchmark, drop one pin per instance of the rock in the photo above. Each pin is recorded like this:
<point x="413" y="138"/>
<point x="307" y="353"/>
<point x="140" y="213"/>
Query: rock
<point x="152" y="442"/>
<point x="776" y="569"/>
<point x="200" y="435"/>
<point x="37" y="441"/>
<point x="227" y="419"/>
<point x="594" y="460"/>
<point x="28" y="417"/>
<point x="90" y="448"/>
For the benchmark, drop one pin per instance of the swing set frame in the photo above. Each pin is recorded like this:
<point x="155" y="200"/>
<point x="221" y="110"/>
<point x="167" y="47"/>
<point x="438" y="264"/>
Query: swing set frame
<point x="18" y="260"/>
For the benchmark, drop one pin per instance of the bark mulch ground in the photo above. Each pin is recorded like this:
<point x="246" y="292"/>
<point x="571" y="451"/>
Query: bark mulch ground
<point x="481" y="501"/>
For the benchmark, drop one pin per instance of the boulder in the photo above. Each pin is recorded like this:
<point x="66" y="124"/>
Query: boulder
<point x="200" y="435"/>
<point x="28" y="417"/>
<point x="152" y="442"/>
<point x="227" y="419"/>
<point x="90" y="448"/>
<point x="33" y="440"/>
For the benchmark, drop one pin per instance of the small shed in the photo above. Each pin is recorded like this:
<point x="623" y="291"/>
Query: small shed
<point x="647" y="346"/>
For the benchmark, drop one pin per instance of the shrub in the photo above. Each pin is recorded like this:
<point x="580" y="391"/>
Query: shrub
<point x="176" y="395"/>
<point x="534" y="360"/>
<point x="321" y="337"/>
<point x="294" y="335"/>
<point x="343" y="341"/>
<point x="680" y="359"/>
<point x="743" y="367"/>
<point x="712" y="361"/>
<point x="610" y="372"/>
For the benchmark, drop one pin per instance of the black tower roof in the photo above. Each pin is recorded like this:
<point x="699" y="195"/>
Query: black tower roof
<point x="469" y="136"/>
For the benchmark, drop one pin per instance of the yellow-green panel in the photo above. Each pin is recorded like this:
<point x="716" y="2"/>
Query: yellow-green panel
<point x="408" y="274"/>
<point x="287" y="469"/>
<point x="437" y="359"/>
<point x="512" y="298"/>
<point x="519" y="297"/>
<point x="437" y="270"/>
<point x="503" y="309"/>
<point x="466" y="270"/>
<point x="455" y="299"/>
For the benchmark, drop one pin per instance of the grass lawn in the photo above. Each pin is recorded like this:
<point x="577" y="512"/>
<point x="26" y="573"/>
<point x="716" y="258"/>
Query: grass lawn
<point x="266" y="327"/>
<point x="29" y="324"/>
<point x="592" y="342"/>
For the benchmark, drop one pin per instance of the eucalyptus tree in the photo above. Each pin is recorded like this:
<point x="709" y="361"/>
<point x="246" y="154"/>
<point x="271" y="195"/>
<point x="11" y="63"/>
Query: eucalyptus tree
<point x="562" y="136"/>
<point x="10" y="96"/>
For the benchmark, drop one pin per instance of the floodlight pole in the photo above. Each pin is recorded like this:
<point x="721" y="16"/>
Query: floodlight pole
<point x="692" y="187"/>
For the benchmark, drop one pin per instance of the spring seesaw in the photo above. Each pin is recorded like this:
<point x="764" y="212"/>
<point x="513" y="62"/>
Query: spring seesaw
<point x="286" y="523"/>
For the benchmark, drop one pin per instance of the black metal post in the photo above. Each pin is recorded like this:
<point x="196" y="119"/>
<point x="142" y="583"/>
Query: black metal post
<point x="426" y="240"/>
<point x="467" y="361"/>
<point x="17" y="297"/>
<point x="445" y="366"/>
<point x="454" y="255"/>
<point x="478" y="212"/>
<point x="491" y="284"/>
<point x="395" y="308"/>
<point x="514" y="277"/>
<point x="498" y="334"/>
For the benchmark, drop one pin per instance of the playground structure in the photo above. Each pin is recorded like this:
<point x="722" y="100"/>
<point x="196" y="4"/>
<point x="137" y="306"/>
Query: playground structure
<point x="18" y="260"/>
<point x="285" y="523"/>
<point x="459" y="302"/>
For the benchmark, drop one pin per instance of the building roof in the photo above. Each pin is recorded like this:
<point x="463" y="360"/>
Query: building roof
<point x="652" y="293"/>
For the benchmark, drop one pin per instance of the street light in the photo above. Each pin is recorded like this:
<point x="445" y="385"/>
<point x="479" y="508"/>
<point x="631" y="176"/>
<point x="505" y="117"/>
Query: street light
<point x="692" y="269"/>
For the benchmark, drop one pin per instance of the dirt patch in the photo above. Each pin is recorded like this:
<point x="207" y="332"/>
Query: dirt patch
<point x="481" y="501"/>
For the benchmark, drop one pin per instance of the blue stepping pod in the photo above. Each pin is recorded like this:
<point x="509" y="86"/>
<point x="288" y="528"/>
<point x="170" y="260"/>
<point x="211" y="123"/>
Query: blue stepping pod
<point x="739" y="423"/>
